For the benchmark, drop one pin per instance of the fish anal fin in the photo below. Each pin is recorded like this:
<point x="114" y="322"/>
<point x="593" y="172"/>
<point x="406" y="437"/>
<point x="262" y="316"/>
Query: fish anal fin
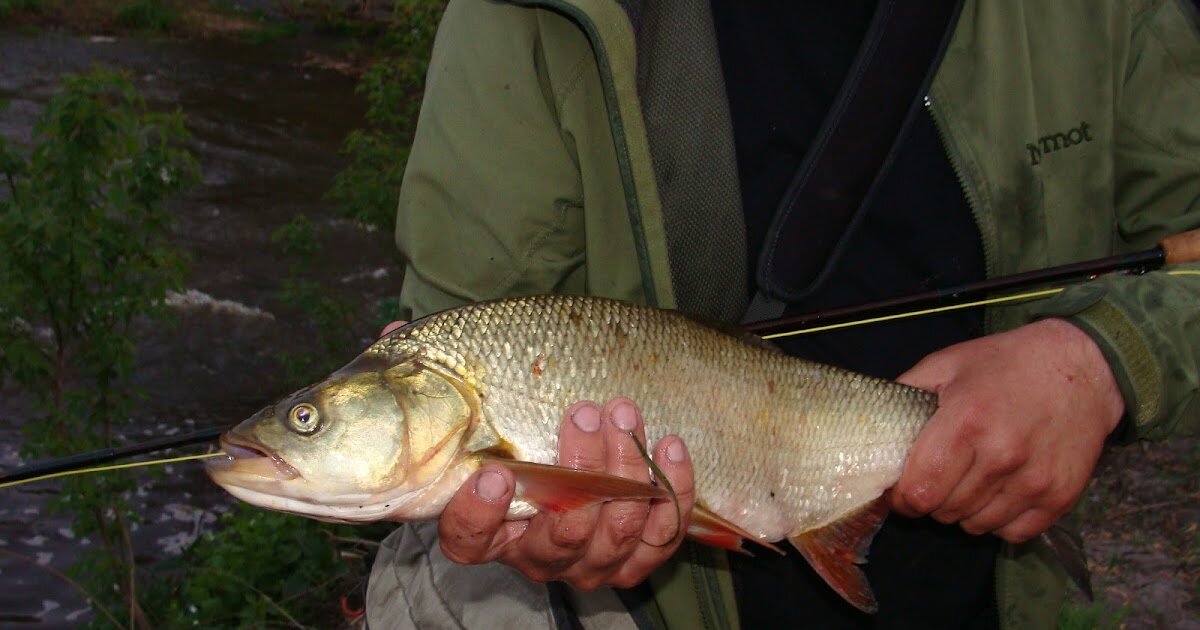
<point x="559" y="489"/>
<point x="836" y="549"/>
<point x="712" y="529"/>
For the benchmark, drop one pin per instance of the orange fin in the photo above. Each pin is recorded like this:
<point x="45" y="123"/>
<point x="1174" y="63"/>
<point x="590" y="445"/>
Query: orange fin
<point x="559" y="489"/>
<point x="834" y="550"/>
<point x="710" y="528"/>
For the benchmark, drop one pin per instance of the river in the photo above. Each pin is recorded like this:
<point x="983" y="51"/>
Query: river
<point x="266" y="130"/>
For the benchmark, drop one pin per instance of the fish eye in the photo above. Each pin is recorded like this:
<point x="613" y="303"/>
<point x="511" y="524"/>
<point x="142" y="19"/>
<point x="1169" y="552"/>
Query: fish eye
<point x="304" y="418"/>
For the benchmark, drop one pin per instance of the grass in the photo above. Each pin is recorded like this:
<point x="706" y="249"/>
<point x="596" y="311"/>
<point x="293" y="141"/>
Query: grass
<point x="1092" y="616"/>
<point x="152" y="16"/>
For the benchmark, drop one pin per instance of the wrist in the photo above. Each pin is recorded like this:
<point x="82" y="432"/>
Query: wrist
<point x="1085" y="360"/>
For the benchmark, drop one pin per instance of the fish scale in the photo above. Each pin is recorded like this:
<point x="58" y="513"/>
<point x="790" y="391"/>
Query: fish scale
<point x="780" y="445"/>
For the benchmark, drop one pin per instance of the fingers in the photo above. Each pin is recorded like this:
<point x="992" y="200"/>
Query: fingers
<point x="392" y="326"/>
<point x="619" y="527"/>
<point x="615" y="543"/>
<point x="665" y="527"/>
<point x="555" y="542"/>
<point x="472" y="528"/>
<point x="936" y="463"/>
<point x="1027" y="526"/>
<point x="1021" y="421"/>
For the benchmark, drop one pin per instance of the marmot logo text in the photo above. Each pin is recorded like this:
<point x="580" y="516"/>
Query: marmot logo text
<point x="1055" y="141"/>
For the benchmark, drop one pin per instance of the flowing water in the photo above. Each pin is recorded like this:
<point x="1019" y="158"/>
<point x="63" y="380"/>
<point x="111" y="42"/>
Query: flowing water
<point x="266" y="130"/>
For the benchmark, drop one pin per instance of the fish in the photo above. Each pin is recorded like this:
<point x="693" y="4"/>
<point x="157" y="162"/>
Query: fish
<point x="783" y="448"/>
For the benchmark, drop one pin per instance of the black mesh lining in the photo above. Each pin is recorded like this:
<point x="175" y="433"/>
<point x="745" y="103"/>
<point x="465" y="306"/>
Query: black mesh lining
<point x="682" y="93"/>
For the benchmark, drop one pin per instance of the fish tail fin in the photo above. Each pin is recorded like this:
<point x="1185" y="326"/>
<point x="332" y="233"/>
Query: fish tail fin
<point x="834" y="551"/>
<point x="711" y="529"/>
<point x="1067" y="547"/>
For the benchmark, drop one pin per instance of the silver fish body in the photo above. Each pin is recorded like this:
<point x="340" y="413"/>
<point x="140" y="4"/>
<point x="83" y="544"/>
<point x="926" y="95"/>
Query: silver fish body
<point x="780" y="445"/>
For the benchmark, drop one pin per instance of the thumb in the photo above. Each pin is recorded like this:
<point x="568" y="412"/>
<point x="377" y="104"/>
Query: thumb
<point x="392" y="326"/>
<point x="470" y="528"/>
<point x="932" y="372"/>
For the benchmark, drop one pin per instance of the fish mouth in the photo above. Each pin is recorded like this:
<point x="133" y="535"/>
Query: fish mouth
<point x="244" y="458"/>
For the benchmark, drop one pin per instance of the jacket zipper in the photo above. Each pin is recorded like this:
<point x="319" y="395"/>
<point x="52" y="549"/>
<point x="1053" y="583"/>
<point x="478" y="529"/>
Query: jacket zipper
<point x="987" y="238"/>
<point x="987" y="233"/>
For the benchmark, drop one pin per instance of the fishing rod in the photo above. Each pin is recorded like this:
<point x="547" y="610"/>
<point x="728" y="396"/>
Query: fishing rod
<point x="55" y="467"/>
<point x="1181" y="248"/>
<point x="1173" y="250"/>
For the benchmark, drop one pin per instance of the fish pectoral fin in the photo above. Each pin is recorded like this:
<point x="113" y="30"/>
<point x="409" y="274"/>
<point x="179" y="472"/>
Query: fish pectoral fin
<point x="712" y="529"/>
<point x="836" y="549"/>
<point x="559" y="489"/>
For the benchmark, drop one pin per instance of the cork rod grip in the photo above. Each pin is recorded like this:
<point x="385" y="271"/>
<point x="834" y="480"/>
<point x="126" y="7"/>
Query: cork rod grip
<point x="1182" y="248"/>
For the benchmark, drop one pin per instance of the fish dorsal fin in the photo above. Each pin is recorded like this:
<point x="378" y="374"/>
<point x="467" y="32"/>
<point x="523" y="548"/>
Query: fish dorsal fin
<point x="836" y="549"/>
<point x="733" y="330"/>
<point x="710" y="528"/>
<point x="559" y="489"/>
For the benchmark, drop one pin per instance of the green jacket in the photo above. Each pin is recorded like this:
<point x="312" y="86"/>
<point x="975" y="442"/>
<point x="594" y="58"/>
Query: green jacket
<point x="584" y="146"/>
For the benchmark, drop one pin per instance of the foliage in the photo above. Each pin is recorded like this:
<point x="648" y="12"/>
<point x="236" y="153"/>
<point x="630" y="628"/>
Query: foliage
<point x="9" y="7"/>
<point x="261" y="569"/>
<point x="327" y="318"/>
<point x="146" y="15"/>
<point x="85" y="256"/>
<point x="267" y="32"/>
<point x="1077" y="616"/>
<point x="366" y="190"/>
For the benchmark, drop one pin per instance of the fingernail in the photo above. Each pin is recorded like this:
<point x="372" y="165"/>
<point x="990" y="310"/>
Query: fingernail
<point x="587" y="418"/>
<point x="490" y="486"/>
<point x="625" y="417"/>
<point x="676" y="452"/>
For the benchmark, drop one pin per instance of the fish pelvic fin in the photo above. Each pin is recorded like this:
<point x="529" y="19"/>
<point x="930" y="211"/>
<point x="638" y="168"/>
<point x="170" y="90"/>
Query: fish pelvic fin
<point x="1067" y="547"/>
<point x="834" y="551"/>
<point x="559" y="489"/>
<point x="711" y="529"/>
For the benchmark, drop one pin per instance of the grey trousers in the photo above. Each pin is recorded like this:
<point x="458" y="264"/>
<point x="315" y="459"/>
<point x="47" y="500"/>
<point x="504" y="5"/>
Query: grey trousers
<point x="413" y="585"/>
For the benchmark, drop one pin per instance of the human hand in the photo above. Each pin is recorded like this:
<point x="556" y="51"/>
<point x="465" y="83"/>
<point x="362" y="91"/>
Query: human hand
<point x="392" y="326"/>
<point x="1022" y="417"/>
<point x="617" y="543"/>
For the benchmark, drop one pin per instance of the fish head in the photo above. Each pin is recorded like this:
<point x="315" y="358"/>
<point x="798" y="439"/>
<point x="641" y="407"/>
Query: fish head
<point x="375" y="440"/>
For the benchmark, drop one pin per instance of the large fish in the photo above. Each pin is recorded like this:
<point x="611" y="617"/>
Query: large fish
<point x="782" y="447"/>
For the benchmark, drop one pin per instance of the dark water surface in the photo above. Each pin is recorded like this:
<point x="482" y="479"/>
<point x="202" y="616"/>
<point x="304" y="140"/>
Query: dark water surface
<point x="267" y="128"/>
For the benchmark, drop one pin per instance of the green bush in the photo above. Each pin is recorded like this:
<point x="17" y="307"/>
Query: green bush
<point x="146" y="15"/>
<point x="261" y="569"/>
<point x="367" y="189"/>
<point x="8" y="7"/>
<point x="85" y="256"/>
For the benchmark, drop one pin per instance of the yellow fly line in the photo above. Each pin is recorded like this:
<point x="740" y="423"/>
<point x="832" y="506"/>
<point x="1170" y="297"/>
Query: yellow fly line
<point x="1032" y="295"/>
<point x="96" y="469"/>
<point x="929" y="311"/>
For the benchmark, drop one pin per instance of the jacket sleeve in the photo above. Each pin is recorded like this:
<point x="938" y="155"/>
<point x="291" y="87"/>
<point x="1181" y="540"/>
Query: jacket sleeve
<point x="1149" y="326"/>
<point x="490" y="204"/>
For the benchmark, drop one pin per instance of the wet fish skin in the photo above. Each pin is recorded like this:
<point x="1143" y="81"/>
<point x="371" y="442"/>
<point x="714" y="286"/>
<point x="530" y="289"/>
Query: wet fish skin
<point x="782" y="448"/>
<point x="778" y="443"/>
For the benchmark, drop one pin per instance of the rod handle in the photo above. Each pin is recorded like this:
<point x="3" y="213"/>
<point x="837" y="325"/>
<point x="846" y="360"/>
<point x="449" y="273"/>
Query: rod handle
<point x="1182" y="248"/>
